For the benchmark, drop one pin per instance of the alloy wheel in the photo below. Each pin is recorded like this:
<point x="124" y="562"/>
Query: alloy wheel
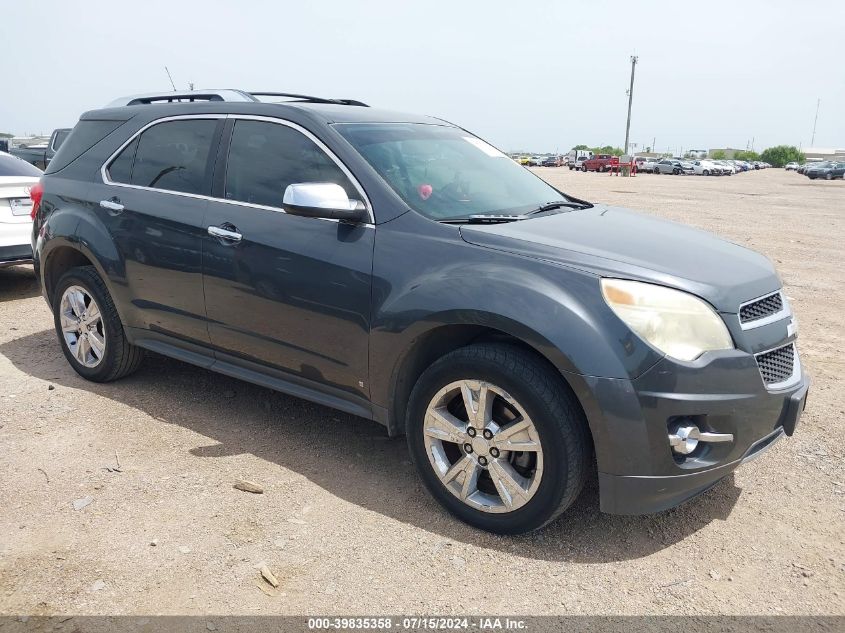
<point x="483" y="446"/>
<point x="82" y="326"/>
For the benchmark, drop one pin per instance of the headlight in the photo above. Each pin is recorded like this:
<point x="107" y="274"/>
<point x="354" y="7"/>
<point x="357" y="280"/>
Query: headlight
<point x="677" y="323"/>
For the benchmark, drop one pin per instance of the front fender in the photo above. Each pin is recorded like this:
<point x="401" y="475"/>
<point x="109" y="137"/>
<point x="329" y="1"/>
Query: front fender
<point x="426" y="277"/>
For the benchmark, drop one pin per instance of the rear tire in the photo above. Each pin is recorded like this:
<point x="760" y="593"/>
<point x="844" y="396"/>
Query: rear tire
<point x="535" y="397"/>
<point x="112" y="356"/>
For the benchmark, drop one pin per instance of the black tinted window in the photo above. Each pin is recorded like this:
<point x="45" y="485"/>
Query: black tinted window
<point x="120" y="169"/>
<point x="81" y="138"/>
<point x="174" y="156"/>
<point x="264" y="158"/>
<point x="13" y="166"/>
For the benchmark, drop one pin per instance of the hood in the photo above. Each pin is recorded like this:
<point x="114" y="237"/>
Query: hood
<point x="616" y="242"/>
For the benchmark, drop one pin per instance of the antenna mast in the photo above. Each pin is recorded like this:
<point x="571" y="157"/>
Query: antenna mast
<point x="173" y="85"/>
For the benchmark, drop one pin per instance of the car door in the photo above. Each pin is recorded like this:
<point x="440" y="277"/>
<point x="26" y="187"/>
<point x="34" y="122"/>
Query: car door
<point x="288" y="292"/>
<point x="153" y="202"/>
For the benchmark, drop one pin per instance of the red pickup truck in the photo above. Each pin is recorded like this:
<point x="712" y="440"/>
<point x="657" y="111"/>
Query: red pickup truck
<point x="599" y="162"/>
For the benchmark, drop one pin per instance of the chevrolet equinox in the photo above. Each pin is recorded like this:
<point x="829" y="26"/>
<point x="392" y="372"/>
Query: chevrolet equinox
<point x="399" y="268"/>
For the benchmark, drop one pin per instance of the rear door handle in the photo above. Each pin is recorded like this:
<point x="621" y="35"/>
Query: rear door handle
<point x="112" y="205"/>
<point x="225" y="233"/>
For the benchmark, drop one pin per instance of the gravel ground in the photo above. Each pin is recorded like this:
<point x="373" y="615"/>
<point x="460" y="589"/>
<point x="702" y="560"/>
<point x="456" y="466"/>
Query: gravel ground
<point x="343" y="522"/>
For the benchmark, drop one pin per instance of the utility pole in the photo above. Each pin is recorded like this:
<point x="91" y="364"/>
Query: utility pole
<point x="630" y="101"/>
<point x="816" y="120"/>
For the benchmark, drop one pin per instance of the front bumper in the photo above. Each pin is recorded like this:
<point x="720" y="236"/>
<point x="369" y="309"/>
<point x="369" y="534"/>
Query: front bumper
<point x="645" y="495"/>
<point x="721" y="392"/>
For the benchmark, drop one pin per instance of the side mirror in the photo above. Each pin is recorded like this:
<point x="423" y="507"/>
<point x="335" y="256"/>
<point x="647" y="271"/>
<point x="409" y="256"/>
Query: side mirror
<point x="322" y="200"/>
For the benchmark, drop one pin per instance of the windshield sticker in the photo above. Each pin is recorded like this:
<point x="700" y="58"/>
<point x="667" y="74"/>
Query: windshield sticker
<point x="484" y="147"/>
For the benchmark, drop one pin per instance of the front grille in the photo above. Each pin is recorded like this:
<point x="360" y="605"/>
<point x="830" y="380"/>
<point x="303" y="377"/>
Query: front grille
<point x="761" y="308"/>
<point x="777" y="365"/>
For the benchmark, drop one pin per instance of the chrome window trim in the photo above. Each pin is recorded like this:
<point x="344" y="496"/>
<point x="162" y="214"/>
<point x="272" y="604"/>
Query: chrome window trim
<point x="783" y="313"/>
<point x="104" y="174"/>
<point x="793" y="379"/>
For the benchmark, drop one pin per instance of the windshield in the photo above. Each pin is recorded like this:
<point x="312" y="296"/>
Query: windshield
<point x="446" y="173"/>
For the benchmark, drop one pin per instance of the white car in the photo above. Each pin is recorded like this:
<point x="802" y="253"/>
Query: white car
<point x="729" y="168"/>
<point x="16" y="178"/>
<point x="707" y="168"/>
<point x="791" y="166"/>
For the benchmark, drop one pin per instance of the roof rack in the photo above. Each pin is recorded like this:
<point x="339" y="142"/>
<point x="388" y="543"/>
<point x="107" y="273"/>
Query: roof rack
<point x="308" y="98"/>
<point x="226" y="95"/>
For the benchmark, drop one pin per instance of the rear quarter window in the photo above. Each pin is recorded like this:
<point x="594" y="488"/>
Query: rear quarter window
<point x="83" y="137"/>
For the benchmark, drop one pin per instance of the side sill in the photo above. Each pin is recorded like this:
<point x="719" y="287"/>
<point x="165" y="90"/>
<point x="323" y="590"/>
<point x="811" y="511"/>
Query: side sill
<point x="256" y="374"/>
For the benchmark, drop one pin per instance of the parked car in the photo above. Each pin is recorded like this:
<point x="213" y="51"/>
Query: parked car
<point x="576" y="158"/>
<point x="728" y="168"/>
<point x="17" y="177"/>
<point x="827" y="170"/>
<point x="551" y="161"/>
<point x="645" y="164"/>
<point x="673" y="166"/>
<point x="41" y="155"/>
<point x="793" y="166"/>
<point x="599" y="162"/>
<point x="707" y="168"/>
<point x="517" y="336"/>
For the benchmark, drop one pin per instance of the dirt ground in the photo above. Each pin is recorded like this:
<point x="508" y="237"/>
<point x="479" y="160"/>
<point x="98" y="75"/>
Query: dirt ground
<point x="344" y="523"/>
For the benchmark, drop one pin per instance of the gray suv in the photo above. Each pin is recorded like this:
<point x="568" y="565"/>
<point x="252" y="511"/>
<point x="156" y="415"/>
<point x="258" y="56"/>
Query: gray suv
<point x="399" y="268"/>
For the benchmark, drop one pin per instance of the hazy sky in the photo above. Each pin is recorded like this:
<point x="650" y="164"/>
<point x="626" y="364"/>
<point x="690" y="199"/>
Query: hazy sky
<point x="539" y="75"/>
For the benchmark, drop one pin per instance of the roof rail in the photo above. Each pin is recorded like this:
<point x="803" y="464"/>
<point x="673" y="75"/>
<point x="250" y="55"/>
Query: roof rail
<point x="183" y="96"/>
<point x="228" y="95"/>
<point x="308" y="98"/>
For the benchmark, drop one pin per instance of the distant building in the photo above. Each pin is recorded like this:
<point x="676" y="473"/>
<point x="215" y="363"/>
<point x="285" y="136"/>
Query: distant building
<point x="815" y="154"/>
<point x="727" y="151"/>
<point x="697" y="153"/>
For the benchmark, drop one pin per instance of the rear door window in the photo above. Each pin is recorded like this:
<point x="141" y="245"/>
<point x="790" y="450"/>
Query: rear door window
<point x="172" y="156"/>
<point x="264" y="158"/>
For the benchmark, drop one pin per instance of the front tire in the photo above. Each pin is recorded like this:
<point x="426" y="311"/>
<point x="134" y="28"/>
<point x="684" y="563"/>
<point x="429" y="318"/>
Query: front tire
<point x="497" y="438"/>
<point x="89" y="329"/>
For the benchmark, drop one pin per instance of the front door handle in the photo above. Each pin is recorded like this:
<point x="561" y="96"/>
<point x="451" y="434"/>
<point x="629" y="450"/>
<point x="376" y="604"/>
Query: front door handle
<point x="227" y="234"/>
<point x="112" y="205"/>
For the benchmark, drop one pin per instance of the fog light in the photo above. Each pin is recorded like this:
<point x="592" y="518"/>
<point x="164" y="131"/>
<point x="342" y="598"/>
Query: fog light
<point x="685" y="439"/>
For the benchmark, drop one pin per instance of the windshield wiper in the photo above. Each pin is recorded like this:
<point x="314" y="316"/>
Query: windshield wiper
<point x="484" y="219"/>
<point x="558" y="204"/>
